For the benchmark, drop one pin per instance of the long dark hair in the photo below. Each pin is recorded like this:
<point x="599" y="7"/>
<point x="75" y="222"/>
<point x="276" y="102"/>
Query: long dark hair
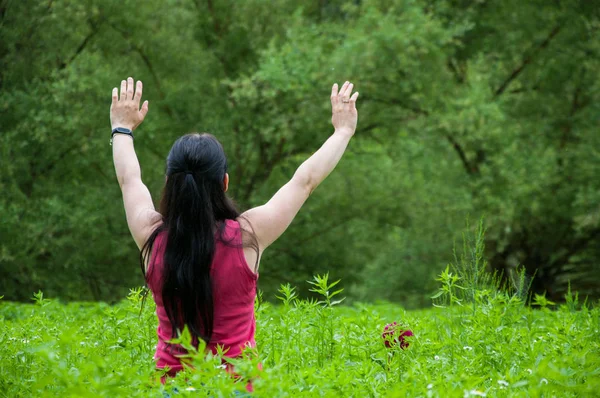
<point x="194" y="208"/>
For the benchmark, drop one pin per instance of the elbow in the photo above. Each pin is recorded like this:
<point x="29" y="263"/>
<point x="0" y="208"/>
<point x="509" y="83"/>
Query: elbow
<point x="121" y="181"/>
<point x="305" y="182"/>
<point x="126" y="176"/>
<point x="120" y="178"/>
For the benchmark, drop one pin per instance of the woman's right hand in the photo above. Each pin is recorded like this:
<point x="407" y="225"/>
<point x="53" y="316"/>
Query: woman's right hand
<point x="343" y="108"/>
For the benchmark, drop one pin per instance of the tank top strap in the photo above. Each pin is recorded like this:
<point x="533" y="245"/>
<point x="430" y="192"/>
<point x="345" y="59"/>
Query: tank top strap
<point x="232" y="233"/>
<point x="156" y="257"/>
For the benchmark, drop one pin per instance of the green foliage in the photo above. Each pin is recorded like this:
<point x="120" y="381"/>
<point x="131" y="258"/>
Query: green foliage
<point x="541" y="301"/>
<point x="501" y="349"/>
<point x="322" y="287"/>
<point x="448" y="290"/>
<point x="466" y="107"/>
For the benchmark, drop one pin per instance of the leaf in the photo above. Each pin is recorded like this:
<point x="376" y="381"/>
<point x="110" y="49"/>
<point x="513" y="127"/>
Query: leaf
<point x="336" y="302"/>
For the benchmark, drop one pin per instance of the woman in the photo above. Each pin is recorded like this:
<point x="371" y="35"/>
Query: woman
<point x="199" y="255"/>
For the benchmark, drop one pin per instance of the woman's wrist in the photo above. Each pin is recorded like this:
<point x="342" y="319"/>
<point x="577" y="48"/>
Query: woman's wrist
<point x="122" y="125"/>
<point x="115" y="135"/>
<point x="120" y="131"/>
<point x="344" y="131"/>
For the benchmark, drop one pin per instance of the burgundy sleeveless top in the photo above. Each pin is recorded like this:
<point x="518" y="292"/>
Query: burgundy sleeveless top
<point x="234" y="291"/>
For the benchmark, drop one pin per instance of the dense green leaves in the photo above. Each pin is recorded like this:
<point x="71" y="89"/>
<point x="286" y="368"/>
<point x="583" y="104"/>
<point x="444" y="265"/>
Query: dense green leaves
<point x="482" y="108"/>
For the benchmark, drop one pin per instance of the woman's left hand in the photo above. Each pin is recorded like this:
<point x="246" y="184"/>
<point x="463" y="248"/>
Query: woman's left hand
<point x="125" y="110"/>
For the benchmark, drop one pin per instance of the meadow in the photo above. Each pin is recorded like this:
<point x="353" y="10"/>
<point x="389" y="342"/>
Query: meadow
<point x="482" y="108"/>
<point x="492" y="346"/>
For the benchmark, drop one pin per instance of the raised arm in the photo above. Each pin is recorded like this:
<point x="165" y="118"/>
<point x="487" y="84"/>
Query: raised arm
<point x="125" y="113"/>
<point x="270" y="220"/>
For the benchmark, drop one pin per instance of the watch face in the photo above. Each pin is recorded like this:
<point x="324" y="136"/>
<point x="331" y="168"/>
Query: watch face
<point x="123" y="130"/>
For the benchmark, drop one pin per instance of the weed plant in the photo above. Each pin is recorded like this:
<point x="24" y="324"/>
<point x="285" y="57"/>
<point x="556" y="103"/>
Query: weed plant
<point x="477" y="341"/>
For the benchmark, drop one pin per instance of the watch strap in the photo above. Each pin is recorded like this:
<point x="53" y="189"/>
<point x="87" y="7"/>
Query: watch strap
<point x="120" y="130"/>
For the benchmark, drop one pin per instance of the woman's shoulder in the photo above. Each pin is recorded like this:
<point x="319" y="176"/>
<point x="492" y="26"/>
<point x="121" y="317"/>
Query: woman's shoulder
<point x="244" y="224"/>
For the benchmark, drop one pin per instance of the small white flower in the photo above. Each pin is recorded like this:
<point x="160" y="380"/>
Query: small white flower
<point x="190" y="389"/>
<point x="437" y="358"/>
<point x="503" y="384"/>
<point x="543" y="381"/>
<point x="529" y="371"/>
<point x="429" y="386"/>
<point x="467" y="348"/>
<point x="477" y="393"/>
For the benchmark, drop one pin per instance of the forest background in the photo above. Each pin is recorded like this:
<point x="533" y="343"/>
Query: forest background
<point x="467" y="109"/>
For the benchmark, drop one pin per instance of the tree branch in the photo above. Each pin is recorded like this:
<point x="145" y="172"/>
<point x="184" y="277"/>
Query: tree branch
<point x="3" y="8"/>
<point x="457" y="70"/>
<point x="397" y="102"/>
<point x="80" y="49"/>
<point x="470" y="169"/>
<point x="524" y="89"/>
<point x="266" y="165"/>
<point x="526" y="61"/>
<point x="161" y="93"/>
<point x="27" y="189"/>
<point x="312" y="236"/>
<point x="151" y="69"/>
<point x="576" y="105"/>
<point x="218" y="30"/>
<point x="211" y="10"/>
<point x="582" y="243"/>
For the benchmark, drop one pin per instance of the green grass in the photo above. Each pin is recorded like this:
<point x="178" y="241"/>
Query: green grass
<point x="497" y="347"/>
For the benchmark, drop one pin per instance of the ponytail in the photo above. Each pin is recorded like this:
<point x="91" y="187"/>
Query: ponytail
<point x="190" y="248"/>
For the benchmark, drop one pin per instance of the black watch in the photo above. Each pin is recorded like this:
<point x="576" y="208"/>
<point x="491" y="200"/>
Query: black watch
<point x="120" y="130"/>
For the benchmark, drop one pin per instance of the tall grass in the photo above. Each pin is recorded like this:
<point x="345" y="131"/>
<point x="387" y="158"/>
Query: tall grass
<point x="480" y="340"/>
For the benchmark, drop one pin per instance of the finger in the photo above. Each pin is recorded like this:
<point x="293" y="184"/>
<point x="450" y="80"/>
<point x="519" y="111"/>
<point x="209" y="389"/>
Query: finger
<point x="343" y="89"/>
<point x="129" y="88"/>
<point x="334" y="89"/>
<point x="123" y="90"/>
<point x="144" y="109"/>
<point x="138" y="93"/>
<point x="348" y="91"/>
<point x="115" y="95"/>
<point x="334" y="93"/>
<point x="353" y="99"/>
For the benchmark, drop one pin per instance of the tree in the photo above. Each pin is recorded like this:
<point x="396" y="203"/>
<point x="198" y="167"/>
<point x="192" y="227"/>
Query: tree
<point x="481" y="108"/>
